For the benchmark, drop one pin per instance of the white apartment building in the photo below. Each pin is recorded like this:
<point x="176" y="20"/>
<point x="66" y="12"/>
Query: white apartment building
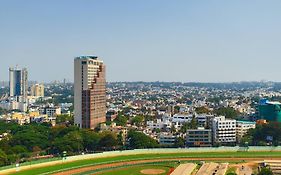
<point x="164" y="123"/>
<point x="224" y="130"/>
<point x="202" y="119"/>
<point x="182" y="118"/>
<point x="242" y="128"/>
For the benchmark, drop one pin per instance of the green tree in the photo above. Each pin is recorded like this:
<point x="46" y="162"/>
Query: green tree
<point x="177" y="109"/>
<point x="202" y="110"/>
<point x="231" y="173"/>
<point x="90" y="140"/>
<point x="157" y="130"/>
<point x="259" y="135"/>
<point x="3" y="158"/>
<point x="265" y="171"/>
<point x="138" y="140"/>
<point x="121" y="120"/>
<point x="189" y="125"/>
<point x="108" y="141"/>
<point x="193" y="123"/>
<point x="19" y="149"/>
<point x="173" y="129"/>
<point x="72" y="142"/>
<point x="75" y="140"/>
<point x="29" y="139"/>
<point x="228" y="112"/>
<point x="180" y="142"/>
<point x="65" y="119"/>
<point x="138" y="120"/>
<point x="60" y="145"/>
<point x="185" y="127"/>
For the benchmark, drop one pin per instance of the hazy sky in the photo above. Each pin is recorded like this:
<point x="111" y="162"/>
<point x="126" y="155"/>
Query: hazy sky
<point x="144" y="40"/>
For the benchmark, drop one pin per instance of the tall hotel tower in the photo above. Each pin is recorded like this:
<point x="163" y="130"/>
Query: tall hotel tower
<point x="89" y="92"/>
<point x="18" y="82"/>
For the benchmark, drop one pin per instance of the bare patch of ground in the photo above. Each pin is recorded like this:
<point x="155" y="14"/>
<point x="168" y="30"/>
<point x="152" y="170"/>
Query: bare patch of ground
<point x="152" y="171"/>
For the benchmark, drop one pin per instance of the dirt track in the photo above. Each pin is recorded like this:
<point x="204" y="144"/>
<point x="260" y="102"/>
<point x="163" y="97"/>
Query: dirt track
<point x="91" y="168"/>
<point x="152" y="171"/>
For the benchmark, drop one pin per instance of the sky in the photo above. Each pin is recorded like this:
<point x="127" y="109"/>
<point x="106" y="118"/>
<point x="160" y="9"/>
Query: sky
<point x="144" y="40"/>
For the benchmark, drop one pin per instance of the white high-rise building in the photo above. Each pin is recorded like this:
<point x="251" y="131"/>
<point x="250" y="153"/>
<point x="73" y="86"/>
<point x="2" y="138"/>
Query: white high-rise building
<point x="89" y="92"/>
<point x="18" y="82"/>
<point x="224" y="130"/>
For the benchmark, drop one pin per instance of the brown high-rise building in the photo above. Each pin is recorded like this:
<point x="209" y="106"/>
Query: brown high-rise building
<point x="89" y="92"/>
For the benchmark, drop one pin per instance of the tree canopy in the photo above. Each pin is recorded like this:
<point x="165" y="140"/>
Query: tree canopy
<point x="265" y="171"/>
<point x="228" y="112"/>
<point x="23" y="142"/>
<point x="138" y="140"/>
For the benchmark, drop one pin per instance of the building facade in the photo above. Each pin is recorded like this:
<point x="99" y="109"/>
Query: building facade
<point x="167" y="139"/>
<point x="89" y="92"/>
<point x="242" y="128"/>
<point x="50" y="111"/>
<point x="270" y="111"/>
<point x="18" y="82"/>
<point x="37" y="90"/>
<point x="200" y="137"/>
<point x="224" y="130"/>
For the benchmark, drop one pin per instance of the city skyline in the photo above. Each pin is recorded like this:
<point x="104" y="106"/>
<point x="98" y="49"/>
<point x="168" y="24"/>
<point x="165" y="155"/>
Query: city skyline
<point x="186" y="41"/>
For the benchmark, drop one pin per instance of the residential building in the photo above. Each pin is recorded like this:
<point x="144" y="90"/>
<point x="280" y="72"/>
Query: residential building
<point x="167" y="139"/>
<point x="50" y="111"/>
<point x="224" y="130"/>
<point x="200" y="137"/>
<point x="89" y="92"/>
<point x="14" y="105"/>
<point x="182" y="118"/>
<point x="37" y="90"/>
<point x="242" y="127"/>
<point x="163" y="124"/>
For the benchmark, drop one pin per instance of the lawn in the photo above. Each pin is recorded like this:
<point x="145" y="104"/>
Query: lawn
<point x="91" y="162"/>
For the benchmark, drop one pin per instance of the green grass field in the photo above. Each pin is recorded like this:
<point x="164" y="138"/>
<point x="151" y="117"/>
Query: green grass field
<point x="133" y="169"/>
<point x="92" y="162"/>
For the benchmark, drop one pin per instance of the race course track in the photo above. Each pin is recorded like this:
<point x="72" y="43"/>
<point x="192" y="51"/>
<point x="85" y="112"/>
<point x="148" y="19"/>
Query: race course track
<point x="95" y="162"/>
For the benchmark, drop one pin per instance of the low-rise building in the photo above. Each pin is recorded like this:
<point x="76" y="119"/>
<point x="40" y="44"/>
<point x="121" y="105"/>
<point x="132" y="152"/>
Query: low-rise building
<point x="50" y="111"/>
<point x="182" y="118"/>
<point x="167" y="139"/>
<point x="199" y="137"/>
<point x="242" y="127"/>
